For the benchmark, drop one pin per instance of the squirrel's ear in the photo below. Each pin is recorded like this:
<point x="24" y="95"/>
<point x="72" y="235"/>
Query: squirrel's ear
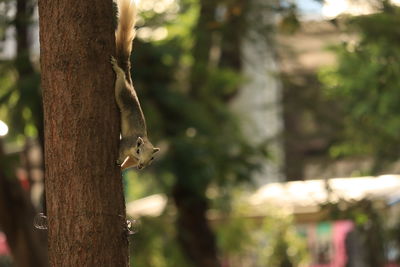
<point x="139" y="142"/>
<point x="155" y="150"/>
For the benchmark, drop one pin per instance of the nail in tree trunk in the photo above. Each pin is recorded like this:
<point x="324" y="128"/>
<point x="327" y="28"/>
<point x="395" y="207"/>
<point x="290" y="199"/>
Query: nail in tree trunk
<point x="85" y="204"/>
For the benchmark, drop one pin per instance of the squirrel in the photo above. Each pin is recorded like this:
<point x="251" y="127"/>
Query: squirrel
<point x="135" y="149"/>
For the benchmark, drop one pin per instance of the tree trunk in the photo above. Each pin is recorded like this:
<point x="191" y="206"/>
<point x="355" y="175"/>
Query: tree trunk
<point x="28" y="78"/>
<point x="232" y="34"/>
<point x="85" y="203"/>
<point x="16" y="220"/>
<point x="206" y="26"/>
<point x="258" y="103"/>
<point x="194" y="235"/>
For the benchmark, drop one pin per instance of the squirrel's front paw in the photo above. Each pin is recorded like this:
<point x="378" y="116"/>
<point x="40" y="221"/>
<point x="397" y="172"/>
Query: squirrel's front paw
<point x="113" y="62"/>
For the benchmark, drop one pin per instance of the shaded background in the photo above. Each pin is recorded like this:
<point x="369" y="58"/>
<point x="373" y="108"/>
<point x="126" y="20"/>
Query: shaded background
<point x="257" y="106"/>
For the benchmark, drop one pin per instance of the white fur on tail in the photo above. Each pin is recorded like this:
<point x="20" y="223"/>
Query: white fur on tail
<point x="125" y="32"/>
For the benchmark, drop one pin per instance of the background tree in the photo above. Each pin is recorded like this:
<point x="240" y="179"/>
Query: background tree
<point x="85" y="204"/>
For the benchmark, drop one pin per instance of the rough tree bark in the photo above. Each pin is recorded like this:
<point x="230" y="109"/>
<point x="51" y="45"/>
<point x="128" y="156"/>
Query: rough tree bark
<point x="85" y="204"/>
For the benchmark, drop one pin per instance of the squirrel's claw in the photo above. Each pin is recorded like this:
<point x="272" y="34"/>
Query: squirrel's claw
<point x="113" y="60"/>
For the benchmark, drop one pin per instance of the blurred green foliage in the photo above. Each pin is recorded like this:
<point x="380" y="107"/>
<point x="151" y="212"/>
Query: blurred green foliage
<point x="365" y="84"/>
<point x="20" y="93"/>
<point x="285" y="246"/>
<point x="242" y="240"/>
<point x="156" y="245"/>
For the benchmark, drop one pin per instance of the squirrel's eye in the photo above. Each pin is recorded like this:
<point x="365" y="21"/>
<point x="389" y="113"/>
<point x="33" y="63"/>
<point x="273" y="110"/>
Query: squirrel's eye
<point x="137" y="151"/>
<point x="152" y="158"/>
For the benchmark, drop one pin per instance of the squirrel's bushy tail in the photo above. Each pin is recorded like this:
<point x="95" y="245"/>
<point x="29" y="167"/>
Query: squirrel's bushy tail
<point x="125" y="32"/>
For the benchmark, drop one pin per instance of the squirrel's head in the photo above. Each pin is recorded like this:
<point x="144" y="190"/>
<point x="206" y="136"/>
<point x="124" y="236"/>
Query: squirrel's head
<point x="144" y="152"/>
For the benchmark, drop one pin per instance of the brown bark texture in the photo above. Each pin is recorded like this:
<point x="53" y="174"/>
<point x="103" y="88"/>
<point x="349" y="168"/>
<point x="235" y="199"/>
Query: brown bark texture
<point x="85" y="204"/>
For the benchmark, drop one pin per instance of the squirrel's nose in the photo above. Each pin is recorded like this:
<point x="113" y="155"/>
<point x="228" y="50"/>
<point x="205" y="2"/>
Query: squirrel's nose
<point x="140" y="166"/>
